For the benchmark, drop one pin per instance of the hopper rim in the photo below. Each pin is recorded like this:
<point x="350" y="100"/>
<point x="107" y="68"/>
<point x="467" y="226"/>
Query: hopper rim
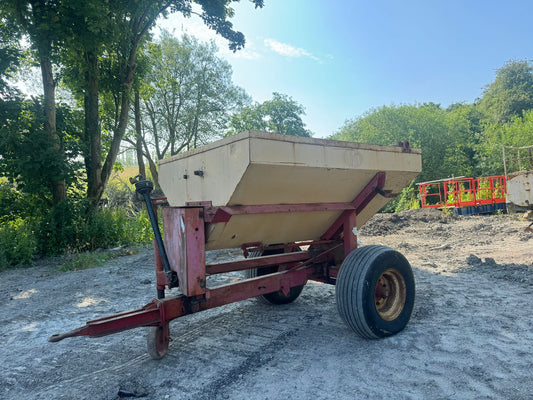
<point x="286" y="138"/>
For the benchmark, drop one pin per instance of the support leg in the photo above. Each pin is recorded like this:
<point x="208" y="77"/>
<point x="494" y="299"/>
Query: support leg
<point x="158" y="340"/>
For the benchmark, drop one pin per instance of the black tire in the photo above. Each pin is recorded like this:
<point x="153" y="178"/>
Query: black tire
<point x="276" y="297"/>
<point x="375" y="291"/>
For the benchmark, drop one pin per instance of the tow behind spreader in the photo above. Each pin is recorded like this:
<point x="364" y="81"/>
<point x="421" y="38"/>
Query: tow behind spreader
<point x="293" y="206"/>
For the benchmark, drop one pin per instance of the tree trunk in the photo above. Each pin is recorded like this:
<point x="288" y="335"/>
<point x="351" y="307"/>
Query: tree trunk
<point x="138" y="134"/>
<point x="57" y="185"/>
<point x="139" y="28"/>
<point x="153" y="171"/>
<point x="93" y="135"/>
<point x="44" y="48"/>
<point x="118" y="134"/>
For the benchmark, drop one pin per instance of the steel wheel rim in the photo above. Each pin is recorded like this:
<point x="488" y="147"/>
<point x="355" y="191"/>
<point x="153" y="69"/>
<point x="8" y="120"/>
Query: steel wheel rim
<point x="390" y="294"/>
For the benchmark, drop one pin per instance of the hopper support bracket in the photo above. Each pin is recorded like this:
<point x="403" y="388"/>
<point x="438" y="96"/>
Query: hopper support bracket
<point x="374" y="187"/>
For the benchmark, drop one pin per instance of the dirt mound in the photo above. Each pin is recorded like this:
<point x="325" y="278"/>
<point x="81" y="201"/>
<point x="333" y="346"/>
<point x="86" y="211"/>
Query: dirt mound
<point x="384" y="224"/>
<point x="517" y="273"/>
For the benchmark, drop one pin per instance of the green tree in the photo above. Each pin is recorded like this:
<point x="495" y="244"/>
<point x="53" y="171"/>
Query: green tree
<point x="462" y="154"/>
<point x="37" y="19"/>
<point x="511" y="93"/>
<point x="187" y="96"/>
<point x="506" y="106"/>
<point x="130" y="21"/>
<point x="82" y="35"/>
<point x="10" y="54"/>
<point x="445" y="137"/>
<point x="518" y="132"/>
<point x="27" y="158"/>
<point x="281" y="114"/>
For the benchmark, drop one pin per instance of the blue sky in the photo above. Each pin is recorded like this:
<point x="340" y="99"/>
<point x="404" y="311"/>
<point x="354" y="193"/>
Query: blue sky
<point x="340" y="59"/>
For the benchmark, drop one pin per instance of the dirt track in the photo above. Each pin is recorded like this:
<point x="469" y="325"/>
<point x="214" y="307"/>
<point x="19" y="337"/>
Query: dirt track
<point x="470" y="336"/>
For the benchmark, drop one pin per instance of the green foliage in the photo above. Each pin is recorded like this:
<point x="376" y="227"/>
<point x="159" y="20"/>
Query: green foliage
<point x="23" y="147"/>
<point x="93" y="45"/>
<point x="27" y="229"/>
<point x="187" y="95"/>
<point x="69" y="228"/>
<point x="511" y="93"/>
<point x="118" y="195"/>
<point x="10" y="53"/>
<point x="17" y="243"/>
<point x="60" y="229"/>
<point x="111" y="227"/>
<point x="96" y="43"/>
<point x="28" y="158"/>
<point x="64" y="231"/>
<point x="215" y="15"/>
<point x="444" y="136"/>
<point x="15" y="204"/>
<point x="282" y="115"/>
<point x="518" y="132"/>
<point x="408" y="199"/>
<point x="101" y="43"/>
<point x="463" y="124"/>
<point x="507" y="109"/>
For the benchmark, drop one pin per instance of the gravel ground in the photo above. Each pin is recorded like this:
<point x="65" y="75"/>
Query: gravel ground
<point x="470" y="336"/>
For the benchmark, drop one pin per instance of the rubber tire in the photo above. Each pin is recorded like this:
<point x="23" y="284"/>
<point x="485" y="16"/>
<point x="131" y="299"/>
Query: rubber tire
<point x="276" y="297"/>
<point x="356" y="288"/>
<point x="157" y="341"/>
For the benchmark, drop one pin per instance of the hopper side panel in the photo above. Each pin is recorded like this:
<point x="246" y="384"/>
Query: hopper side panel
<point x="269" y="228"/>
<point x="221" y="170"/>
<point x="293" y="227"/>
<point x="289" y="184"/>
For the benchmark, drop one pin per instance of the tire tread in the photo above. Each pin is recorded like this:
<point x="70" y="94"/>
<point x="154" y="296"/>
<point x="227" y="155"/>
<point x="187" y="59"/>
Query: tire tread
<point x="350" y="287"/>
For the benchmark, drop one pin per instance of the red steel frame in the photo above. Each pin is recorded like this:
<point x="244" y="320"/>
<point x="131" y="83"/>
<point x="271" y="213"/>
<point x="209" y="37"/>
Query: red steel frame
<point x="185" y="244"/>
<point x="463" y="192"/>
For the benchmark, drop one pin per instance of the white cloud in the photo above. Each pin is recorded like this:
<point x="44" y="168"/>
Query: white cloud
<point x="287" y="50"/>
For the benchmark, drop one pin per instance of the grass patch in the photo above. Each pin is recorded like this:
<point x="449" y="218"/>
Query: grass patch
<point x="88" y="259"/>
<point x="122" y="176"/>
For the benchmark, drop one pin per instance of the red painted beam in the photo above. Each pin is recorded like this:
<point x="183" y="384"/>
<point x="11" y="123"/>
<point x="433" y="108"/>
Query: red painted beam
<point x="160" y="311"/>
<point x="224" y="213"/>
<point x="265" y="261"/>
<point x="359" y="203"/>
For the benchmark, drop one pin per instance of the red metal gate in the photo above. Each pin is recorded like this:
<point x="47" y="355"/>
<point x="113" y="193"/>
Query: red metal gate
<point x="463" y="192"/>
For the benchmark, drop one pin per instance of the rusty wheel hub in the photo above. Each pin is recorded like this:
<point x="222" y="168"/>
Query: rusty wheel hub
<point x="390" y="294"/>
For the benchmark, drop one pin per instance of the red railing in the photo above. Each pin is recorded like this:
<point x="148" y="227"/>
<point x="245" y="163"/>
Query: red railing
<point x="463" y="192"/>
